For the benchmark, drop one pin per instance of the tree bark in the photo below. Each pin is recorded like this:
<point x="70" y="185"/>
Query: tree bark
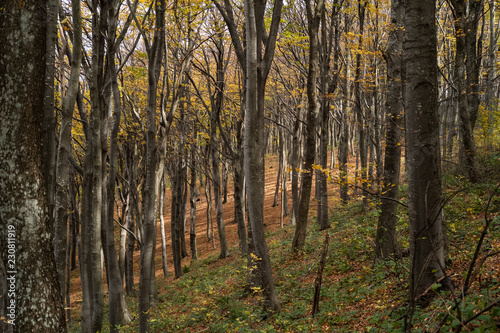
<point x="161" y="212"/>
<point x="192" y="200"/>
<point x="155" y="57"/>
<point x="312" y="113"/>
<point x="423" y="149"/>
<point x="385" y="242"/>
<point x="25" y="229"/>
<point x="257" y="70"/>
<point x="118" y="309"/>
<point x="360" y="114"/>
<point x="64" y="150"/>
<point x="466" y="76"/>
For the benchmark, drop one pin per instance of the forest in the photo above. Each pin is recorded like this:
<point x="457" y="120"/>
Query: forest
<point x="249" y="166"/>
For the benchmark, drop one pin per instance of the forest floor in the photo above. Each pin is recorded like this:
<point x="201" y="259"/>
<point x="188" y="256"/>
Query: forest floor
<point x="356" y="296"/>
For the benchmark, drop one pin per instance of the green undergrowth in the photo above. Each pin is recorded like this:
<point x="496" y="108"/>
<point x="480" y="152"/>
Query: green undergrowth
<point x="356" y="296"/>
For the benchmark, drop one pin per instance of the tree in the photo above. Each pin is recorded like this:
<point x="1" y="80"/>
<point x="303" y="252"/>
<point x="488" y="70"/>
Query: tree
<point x="257" y="71"/>
<point x="64" y="149"/>
<point x="423" y="148"/>
<point x="467" y="66"/>
<point x="92" y="189"/>
<point x="313" y="19"/>
<point x="24" y="213"/>
<point x="328" y="85"/>
<point x="118" y="310"/>
<point x="360" y="114"/>
<point x="385" y="242"/>
<point x="155" y="57"/>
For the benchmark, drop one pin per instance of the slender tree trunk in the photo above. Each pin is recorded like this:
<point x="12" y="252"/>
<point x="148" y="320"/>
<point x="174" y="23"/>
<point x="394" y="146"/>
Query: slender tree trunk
<point x="118" y="309"/>
<point x="132" y="213"/>
<point x="295" y="165"/>
<point x="239" y="189"/>
<point x="466" y="77"/>
<point x="360" y="115"/>
<point x="216" y="108"/>
<point x="254" y="146"/>
<point x="328" y="86"/>
<point x="175" y="219"/>
<point x="225" y="177"/>
<point x="64" y="150"/>
<point x="490" y="99"/>
<point x="344" y="136"/>
<point x="161" y="210"/>
<point x="208" y="196"/>
<point x="385" y="242"/>
<point x="280" y="167"/>
<point x="312" y="113"/>
<point x="224" y="252"/>
<point x="192" y="200"/>
<point x="183" y="210"/>
<point x="90" y="263"/>
<point x="147" y="249"/>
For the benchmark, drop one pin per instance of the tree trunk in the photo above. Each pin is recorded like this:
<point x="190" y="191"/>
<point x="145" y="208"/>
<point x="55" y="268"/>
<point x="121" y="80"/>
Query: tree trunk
<point x="131" y="217"/>
<point x="216" y="100"/>
<point x="280" y="167"/>
<point x="192" y="200"/>
<point x="25" y="228"/>
<point x="177" y="181"/>
<point x="360" y="116"/>
<point x="257" y="71"/>
<point x="312" y="113"/>
<point x="344" y="135"/>
<point x="295" y="164"/>
<point x="64" y="150"/>
<point x="224" y="252"/>
<point x="239" y="189"/>
<point x="161" y="212"/>
<point x="118" y="309"/>
<point x="208" y="196"/>
<point x="90" y="262"/>
<point x="490" y="100"/>
<point x="155" y="57"/>
<point x="466" y="81"/>
<point x="385" y="242"/>
<point x="423" y="149"/>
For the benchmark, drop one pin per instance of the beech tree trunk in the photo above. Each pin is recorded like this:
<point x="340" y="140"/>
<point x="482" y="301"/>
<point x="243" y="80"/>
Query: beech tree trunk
<point x="64" y="150"/>
<point x="423" y="149"/>
<point x="91" y="245"/>
<point x="216" y="105"/>
<point x="345" y="131"/>
<point x="155" y="57"/>
<point x="192" y="200"/>
<point x="385" y="242"/>
<point x="312" y="114"/>
<point x="25" y="228"/>
<point x="118" y="309"/>
<point x="295" y="165"/>
<point x="257" y="70"/>
<point x="466" y="15"/>
<point x="161" y="212"/>
<point x="360" y="114"/>
<point x="239" y="189"/>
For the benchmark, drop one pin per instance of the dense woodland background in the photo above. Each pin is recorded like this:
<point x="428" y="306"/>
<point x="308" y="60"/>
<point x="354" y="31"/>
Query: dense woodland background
<point x="160" y="162"/>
